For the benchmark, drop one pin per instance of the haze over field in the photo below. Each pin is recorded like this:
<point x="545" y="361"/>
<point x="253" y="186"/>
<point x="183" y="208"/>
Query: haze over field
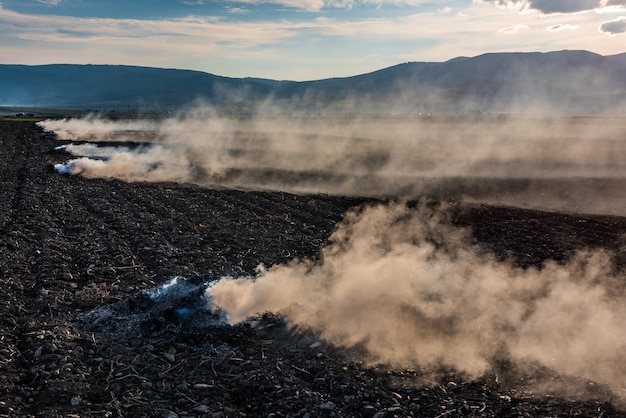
<point x="568" y="164"/>
<point x="396" y="281"/>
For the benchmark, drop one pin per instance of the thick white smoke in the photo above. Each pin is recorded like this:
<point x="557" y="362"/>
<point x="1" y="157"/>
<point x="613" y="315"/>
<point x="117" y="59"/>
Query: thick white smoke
<point x="94" y="128"/>
<point x="146" y="163"/>
<point x="413" y="292"/>
<point x="567" y="164"/>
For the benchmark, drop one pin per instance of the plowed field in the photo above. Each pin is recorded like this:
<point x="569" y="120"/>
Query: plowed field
<point x="71" y="245"/>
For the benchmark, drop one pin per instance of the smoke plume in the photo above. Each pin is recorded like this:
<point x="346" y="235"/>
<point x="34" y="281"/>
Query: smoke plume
<point x="409" y="288"/>
<point x="146" y="163"/>
<point x="399" y="282"/>
<point x="567" y="164"/>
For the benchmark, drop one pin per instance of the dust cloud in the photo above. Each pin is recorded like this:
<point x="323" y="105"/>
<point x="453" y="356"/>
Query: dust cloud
<point x="146" y="163"/>
<point x="400" y="282"/>
<point x="571" y="164"/>
<point x="408" y="287"/>
<point x="95" y="128"/>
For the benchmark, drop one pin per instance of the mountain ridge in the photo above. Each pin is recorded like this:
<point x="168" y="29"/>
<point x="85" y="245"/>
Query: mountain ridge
<point x="568" y="82"/>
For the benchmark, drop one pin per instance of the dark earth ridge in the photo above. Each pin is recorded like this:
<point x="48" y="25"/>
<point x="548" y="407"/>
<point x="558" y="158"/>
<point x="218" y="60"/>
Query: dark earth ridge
<point x="71" y="246"/>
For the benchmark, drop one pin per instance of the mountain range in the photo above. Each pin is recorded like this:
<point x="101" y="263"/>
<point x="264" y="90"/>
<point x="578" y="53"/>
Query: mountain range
<point x="560" y="82"/>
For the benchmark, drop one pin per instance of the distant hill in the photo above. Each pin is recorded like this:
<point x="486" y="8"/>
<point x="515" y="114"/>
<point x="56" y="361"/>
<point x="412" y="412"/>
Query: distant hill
<point x="114" y="86"/>
<point x="562" y="82"/>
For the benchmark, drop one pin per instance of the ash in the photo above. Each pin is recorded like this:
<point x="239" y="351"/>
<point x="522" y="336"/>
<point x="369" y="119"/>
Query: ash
<point x="178" y="304"/>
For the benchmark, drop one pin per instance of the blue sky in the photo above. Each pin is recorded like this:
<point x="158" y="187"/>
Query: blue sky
<point x="299" y="39"/>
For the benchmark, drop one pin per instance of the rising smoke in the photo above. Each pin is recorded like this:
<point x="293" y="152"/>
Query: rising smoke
<point x="411" y="290"/>
<point x="558" y="164"/>
<point x="402" y="283"/>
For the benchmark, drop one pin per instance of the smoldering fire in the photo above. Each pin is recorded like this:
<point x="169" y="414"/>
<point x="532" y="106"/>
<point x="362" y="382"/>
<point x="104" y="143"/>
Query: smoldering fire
<point x="561" y="164"/>
<point x="412" y="291"/>
<point x="397" y="281"/>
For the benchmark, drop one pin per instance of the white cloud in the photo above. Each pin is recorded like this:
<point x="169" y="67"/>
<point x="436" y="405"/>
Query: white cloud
<point x="394" y="2"/>
<point x="612" y="6"/>
<point x="513" y="29"/>
<point x="614" y="27"/>
<point x="237" y="10"/>
<point x="315" y="5"/>
<point x="50" y="2"/>
<point x="304" y="4"/>
<point x="561" y="27"/>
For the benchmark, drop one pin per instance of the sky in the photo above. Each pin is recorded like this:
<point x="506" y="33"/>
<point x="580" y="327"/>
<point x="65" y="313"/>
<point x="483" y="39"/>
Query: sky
<point x="299" y="39"/>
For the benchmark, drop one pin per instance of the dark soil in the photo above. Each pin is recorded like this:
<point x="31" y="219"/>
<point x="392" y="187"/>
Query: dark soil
<point x="81" y="336"/>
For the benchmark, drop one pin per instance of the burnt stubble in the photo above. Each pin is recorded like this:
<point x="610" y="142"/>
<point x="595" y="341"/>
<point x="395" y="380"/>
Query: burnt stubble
<point x="72" y="245"/>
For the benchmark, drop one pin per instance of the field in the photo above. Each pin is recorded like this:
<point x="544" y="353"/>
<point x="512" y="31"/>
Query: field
<point x="86" y="331"/>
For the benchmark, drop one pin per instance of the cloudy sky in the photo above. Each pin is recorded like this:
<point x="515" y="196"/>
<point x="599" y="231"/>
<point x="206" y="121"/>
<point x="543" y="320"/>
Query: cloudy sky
<point x="298" y="39"/>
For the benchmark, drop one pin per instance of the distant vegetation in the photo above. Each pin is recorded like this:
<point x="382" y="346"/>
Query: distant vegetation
<point x="563" y="82"/>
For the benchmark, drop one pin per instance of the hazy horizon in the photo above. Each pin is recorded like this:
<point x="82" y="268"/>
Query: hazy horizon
<point x="300" y="40"/>
<point x="309" y="80"/>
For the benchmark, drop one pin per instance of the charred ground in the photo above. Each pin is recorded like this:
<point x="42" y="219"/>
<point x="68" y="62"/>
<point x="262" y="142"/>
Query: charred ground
<point x="70" y="245"/>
